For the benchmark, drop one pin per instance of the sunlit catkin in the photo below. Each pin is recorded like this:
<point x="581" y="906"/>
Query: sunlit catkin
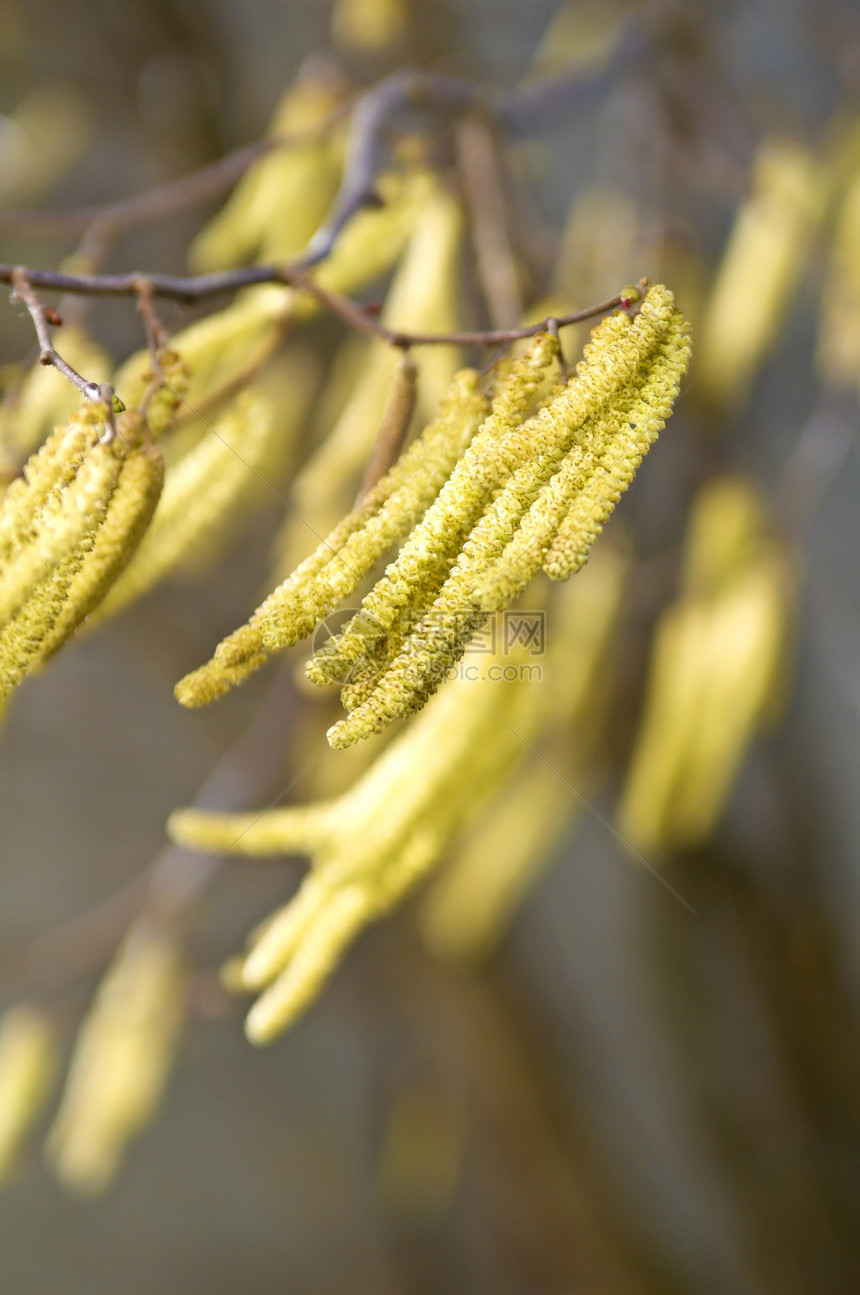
<point x="386" y="514"/>
<point x="122" y="1056"/>
<point x="28" y="1060"/>
<point x="529" y="456"/>
<point x="42" y="399"/>
<point x="423" y="295"/>
<point x="68" y="529"/>
<point x="427" y="556"/>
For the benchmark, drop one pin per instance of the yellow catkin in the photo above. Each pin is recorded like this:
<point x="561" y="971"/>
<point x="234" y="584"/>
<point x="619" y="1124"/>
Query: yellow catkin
<point x="28" y="1062"/>
<point x="374" y="842"/>
<point x="165" y="404"/>
<point x="128" y="514"/>
<point x="717" y="657"/>
<point x="428" y="554"/>
<point x="388" y="511"/>
<point x="65" y="523"/>
<point x="122" y="1056"/>
<point x="77" y="538"/>
<point x="642" y="422"/>
<point x="369" y="26"/>
<point x="423" y="295"/>
<point x="45" y="474"/>
<point x="761" y="265"/>
<point x="531" y="454"/>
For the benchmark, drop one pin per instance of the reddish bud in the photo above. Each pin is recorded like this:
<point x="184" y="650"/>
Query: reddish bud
<point x="53" y="317"/>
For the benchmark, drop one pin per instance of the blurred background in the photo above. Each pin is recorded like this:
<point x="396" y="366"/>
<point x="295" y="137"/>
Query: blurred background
<point x="625" y="1093"/>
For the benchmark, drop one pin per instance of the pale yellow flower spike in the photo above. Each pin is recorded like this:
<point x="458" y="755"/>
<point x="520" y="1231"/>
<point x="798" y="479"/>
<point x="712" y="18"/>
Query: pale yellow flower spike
<point x="390" y="510"/>
<point x="386" y="513"/>
<point x="639" y="427"/>
<point x="374" y="842"/>
<point x="428" y="554"/>
<point x="45" y="474"/>
<point x="278" y="831"/>
<point x="77" y="539"/>
<point x="763" y="260"/>
<point x="531" y="453"/>
<point x="128" y="514"/>
<point x="122" y="1056"/>
<point x="424" y="294"/>
<point x="64" y="525"/>
<point x="28" y="1060"/>
<point x="718" y="653"/>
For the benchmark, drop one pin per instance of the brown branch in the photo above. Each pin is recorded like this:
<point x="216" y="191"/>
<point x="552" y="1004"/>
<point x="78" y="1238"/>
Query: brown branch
<point x="205" y="285"/>
<point x="42" y="322"/>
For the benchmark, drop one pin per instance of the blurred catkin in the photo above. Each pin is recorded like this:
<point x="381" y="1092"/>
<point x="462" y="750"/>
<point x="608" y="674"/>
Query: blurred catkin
<point x="761" y="266"/>
<point x="122" y="1056"/>
<point x="717" y="658"/>
<point x="28" y="1062"/>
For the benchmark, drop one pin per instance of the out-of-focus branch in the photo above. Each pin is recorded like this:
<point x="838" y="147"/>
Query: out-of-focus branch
<point x="485" y="197"/>
<point x="113" y="218"/>
<point x="367" y="147"/>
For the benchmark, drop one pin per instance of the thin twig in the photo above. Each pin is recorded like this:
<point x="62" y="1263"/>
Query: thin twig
<point x="40" y="315"/>
<point x="156" y="340"/>
<point x="205" y="285"/>
<point x="199" y="186"/>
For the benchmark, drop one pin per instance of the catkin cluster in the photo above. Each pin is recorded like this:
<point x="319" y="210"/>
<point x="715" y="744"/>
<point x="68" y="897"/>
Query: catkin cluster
<point x="484" y="500"/>
<point x="68" y="527"/>
<point x="374" y="843"/>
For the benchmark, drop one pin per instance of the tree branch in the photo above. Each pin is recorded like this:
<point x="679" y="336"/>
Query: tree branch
<point x="41" y="316"/>
<point x="192" y="289"/>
